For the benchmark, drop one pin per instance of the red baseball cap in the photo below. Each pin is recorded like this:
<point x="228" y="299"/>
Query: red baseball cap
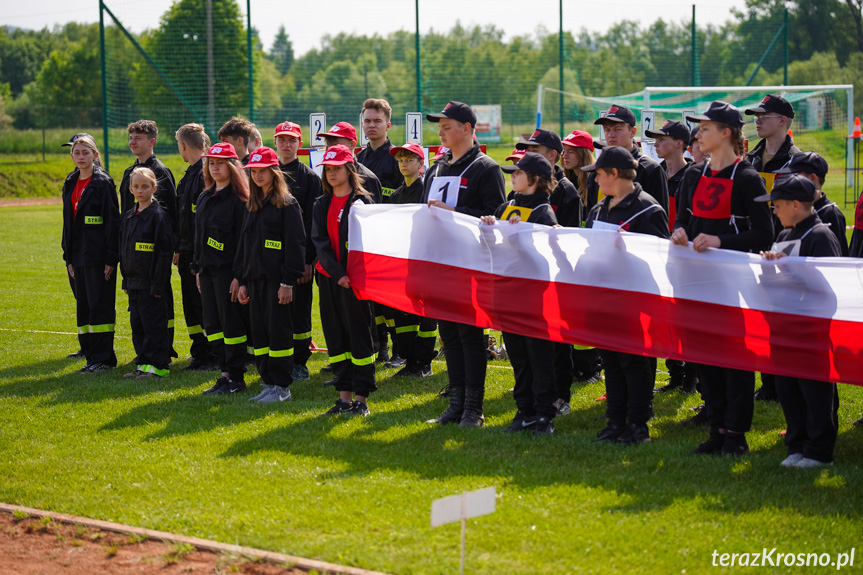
<point x="342" y="130"/>
<point x="579" y="139"/>
<point x="337" y="156"/>
<point x="516" y="154"/>
<point x="289" y="129"/>
<point x="263" y="158"/>
<point x="409" y="147"/>
<point x="222" y="150"/>
<point x="441" y="151"/>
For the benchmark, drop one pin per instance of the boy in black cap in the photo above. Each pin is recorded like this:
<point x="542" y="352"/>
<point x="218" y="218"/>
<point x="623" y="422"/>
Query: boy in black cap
<point x="467" y="181"/>
<point x="814" y="168"/>
<point x="810" y="406"/>
<point x="618" y="126"/>
<point x="773" y="117"/>
<point x="718" y="210"/>
<point x="629" y="378"/>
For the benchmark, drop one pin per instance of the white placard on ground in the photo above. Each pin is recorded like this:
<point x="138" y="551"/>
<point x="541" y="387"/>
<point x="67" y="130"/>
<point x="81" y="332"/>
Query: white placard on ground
<point x="648" y="122"/>
<point x="317" y="125"/>
<point x="364" y="140"/>
<point x="414" y="128"/>
<point x="464" y="506"/>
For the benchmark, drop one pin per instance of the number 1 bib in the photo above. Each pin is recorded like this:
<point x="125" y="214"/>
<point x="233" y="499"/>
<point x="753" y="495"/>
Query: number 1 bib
<point x="447" y="188"/>
<point x="712" y="197"/>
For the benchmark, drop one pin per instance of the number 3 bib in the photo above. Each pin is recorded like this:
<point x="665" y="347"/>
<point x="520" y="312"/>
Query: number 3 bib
<point x="712" y="197"/>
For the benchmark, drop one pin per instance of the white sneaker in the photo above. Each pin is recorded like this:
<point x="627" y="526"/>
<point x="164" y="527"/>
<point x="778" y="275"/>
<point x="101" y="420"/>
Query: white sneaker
<point x="806" y="463"/>
<point x="268" y="389"/>
<point x="791" y="460"/>
<point x="277" y="394"/>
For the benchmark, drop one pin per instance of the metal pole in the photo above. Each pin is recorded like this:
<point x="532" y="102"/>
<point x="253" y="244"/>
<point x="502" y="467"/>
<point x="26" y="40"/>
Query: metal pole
<point x="560" y="58"/>
<point x="849" y="151"/>
<point x="418" y="59"/>
<point x="211" y="76"/>
<point x="539" y="107"/>
<point x="696" y="73"/>
<point x="43" y="132"/>
<point x="785" y="34"/>
<point x="105" y="151"/>
<point x="251" y="64"/>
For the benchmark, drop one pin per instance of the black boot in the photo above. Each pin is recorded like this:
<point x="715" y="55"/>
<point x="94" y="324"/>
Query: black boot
<point x="453" y="413"/>
<point x="675" y="373"/>
<point x="472" y="416"/>
<point x="690" y="378"/>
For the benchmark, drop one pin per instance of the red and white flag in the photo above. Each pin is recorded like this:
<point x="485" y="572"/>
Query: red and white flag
<point x="614" y="290"/>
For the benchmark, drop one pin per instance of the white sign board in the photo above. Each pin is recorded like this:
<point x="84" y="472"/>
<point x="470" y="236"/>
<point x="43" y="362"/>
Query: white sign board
<point x="317" y="125"/>
<point x="465" y="506"/>
<point x="600" y="135"/>
<point x="414" y="128"/>
<point x="364" y="140"/>
<point x="648" y="122"/>
<point x="488" y="122"/>
<point x="689" y="124"/>
<point x="315" y="158"/>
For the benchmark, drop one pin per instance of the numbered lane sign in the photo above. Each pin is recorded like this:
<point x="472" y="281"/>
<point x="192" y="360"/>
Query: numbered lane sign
<point x="648" y="122"/>
<point x="317" y="125"/>
<point x="364" y="140"/>
<point x="601" y="133"/>
<point x="414" y="128"/>
<point x="689" y="124"/>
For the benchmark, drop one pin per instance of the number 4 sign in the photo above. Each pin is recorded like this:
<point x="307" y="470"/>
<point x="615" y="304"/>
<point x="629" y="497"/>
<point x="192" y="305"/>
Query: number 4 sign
<point x="414" y="128"/>
<point x="648" y="122"/>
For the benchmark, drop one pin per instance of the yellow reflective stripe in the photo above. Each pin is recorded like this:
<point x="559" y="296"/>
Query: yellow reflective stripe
<point x="427" y="333"/>
<point x="170" y="324"/>
<point x="83" y="329"/>
<point x="306" y="335"/>
<point x="93" y="220"/>
<point x="407" y="328"/>
<point x="282" y="352"/>
<point x="104" y="328"/>
<point x="193" y="329"/>
<point x="379" y="319"/>
<point x="152" y="369"/>
<point x="391" y="323"/>
<point x="363" y="360"/>
<point x="215" y="245"/>
<point x="261" y="350"/>
<point x="215" y="336"/>
<point x="581" y="347"/>
<point x="486" y="331"/>
<point x="235" y="340"/>
<point x="387" y="191"/>
<point x="340" y="357"/>
<point x="142" y="247"/>
<point x="272" y="244"/>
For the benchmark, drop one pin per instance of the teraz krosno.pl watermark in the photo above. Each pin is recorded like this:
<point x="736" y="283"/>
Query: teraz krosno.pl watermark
<point x="775" y="558"/>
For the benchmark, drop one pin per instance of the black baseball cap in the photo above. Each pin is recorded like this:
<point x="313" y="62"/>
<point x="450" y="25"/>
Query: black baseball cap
<point x="541" y="137"/>
<point x="76" y="136"/>
<point x="775" y="104"/>
<point x="790" y="187"/>
<point x="458" y="111"/>
<point x="672" y="128"/>
<point x="720" y="111"/>
<point x="808" y="162"/>
<point x="617" y="114"/>
<point x="613" y="157"/>
<point x="533" y="163"/>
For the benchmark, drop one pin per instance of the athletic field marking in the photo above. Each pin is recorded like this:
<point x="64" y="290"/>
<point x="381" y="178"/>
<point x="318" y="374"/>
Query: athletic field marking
<point x="51" y="332"/>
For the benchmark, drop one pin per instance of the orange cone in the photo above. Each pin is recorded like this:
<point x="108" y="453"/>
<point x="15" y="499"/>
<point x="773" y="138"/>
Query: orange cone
<point x="857" y="133"/>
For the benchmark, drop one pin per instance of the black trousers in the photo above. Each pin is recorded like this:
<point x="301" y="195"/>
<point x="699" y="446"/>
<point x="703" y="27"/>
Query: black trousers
<point x="563" y="367"/>
<point x="385" y="325"/>
<point x="728" y="397"/>
<point x="415" y="337"/>
<point x="95" y="302"/>
<point x="811" y="411"/>
<point x="223" y="321"/>
<point x="272" y="333"/>
<point x="169" y="308"/>
<point x="72" y="287"/>
<point x="192" y="309"/>
<point x="533" y="366"/>
<point x="466" y="361"/>
<point x="629" y="383"/>
<point x="586" y="361"/>
<point x="148" y="317"/>
<point x="301" y="310"/>
<point x="349" y="328"/>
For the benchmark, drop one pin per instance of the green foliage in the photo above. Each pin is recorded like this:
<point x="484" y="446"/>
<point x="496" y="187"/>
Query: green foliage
<point x="282" y="52"/>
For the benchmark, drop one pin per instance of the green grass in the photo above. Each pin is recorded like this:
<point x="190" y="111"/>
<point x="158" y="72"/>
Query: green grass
<point x="161" y="456"/>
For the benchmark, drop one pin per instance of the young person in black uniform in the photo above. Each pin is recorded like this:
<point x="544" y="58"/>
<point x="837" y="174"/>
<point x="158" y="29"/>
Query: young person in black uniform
<point x="619" y="128"/>
<point x="220" y="212"/>
<point x="810" y="407"/>
<point x="348" y="323"/>
<point x="466" y="181"/>
<point x="142" y="139"/>
<point x="718" y="210"/>
<point x="414" y="335"/>
<point x="91" y="227"/>
<point x="814" y="168"/>
<point x="192" y="143"/>
<point x="671" y="141"/>
<point x="533" y="359"/>
<point x="271" y="255"/>
<point x="71" y="176"/>
<point x="146" y="249"/>
<point x="773" y="117"/>
<point x="238" y="132"/>
<point x="305" y="186"/>
<point x="629" y="378"/>
<point x="698" y="156"/>
<point x="344" y="134"/>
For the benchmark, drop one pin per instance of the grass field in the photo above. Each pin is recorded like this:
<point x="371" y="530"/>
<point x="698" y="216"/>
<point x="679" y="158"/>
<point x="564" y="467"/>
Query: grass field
<point x="161" y="456"/>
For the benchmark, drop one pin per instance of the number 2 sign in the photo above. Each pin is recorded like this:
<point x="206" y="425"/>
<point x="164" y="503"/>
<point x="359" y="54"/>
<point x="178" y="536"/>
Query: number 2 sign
<point x="648" y="122"/>
<point x="317" y="125"/>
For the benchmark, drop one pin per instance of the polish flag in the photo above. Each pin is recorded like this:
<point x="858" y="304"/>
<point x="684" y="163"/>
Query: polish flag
<point x="615" y="290"/>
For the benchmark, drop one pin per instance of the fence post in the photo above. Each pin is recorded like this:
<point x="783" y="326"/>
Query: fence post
<point x="418" y="59"/>
<point x="105" y="149"/>
<point x="43" y="133"/>
<point x="785" y="34"/>
<point x="251" y="64"/>
<point x="560" y="49"/>
<point x="696" y="73"/>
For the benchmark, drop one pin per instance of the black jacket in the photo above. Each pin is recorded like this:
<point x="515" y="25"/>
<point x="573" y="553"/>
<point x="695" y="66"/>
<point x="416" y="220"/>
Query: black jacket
<point x="651" y="176"/>
<point x="566" y="202"/>
<point x="217" y="228"/>
<point x="334" y="265"/>
<point x="166" y="193"/>
<point x="306" y="187"/>
<point x="190" y="187"/>
<point x="674" y="181"/>
<point x="370" y="182"/>
<point x="543" y="212"/>
<point x="754" y="222"/>
<point x="412" y="194"/>
<point x="92" y="236"/>
<point x="819" y="242"/>
<point x="829" y="213"/>
<point x="783" y="154"/>
<point x="384" y="166"/>
<point x="272" y="245"/>
<point x="638" y="213"/>
<point x="146" y="248"/>
<point x="482" y="187"/>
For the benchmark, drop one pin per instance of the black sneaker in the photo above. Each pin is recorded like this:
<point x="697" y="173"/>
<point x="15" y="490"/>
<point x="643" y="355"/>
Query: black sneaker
<point x="339" y="408"/>
<point x="198" y="364"/>
<point x="634" y="434"/>
<point x="521" y="422"/>
<point x="859" y="422"/>
<point x="133" y="374"/>
<point x="358" y="408"/>
<point x="471" y="418"/>
<point x="543" y="426"/>
<point x="327" y="368"/>
<point x="611" y="432"/>
<point x="85" y="369"/>
<point x="383" y="355"/>
<point x="330" y="382"/>
<point x="712" y="446"/>
<point x="766" y="394"/>
<point x="589" y="378"/>
<point x="734" y="444"/>
<point x="221" y="382"/>
<point x="673" y="383"/>
<point x="700" y="418"/>
<point x="415" y="371"/>
<point x="99" y="367"/>
<point x="395" y="362"/>
<point x="231" y="387"/>
<point x="76" y="354"/>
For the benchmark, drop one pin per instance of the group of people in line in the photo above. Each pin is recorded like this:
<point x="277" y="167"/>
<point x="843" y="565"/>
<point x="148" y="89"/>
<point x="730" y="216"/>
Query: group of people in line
<point x="250" y="227"/>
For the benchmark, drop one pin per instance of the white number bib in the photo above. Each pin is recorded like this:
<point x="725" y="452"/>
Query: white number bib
<point x="597" y="225"/>
<point x="445" y="189"/>
<point x="789" y="248"/>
